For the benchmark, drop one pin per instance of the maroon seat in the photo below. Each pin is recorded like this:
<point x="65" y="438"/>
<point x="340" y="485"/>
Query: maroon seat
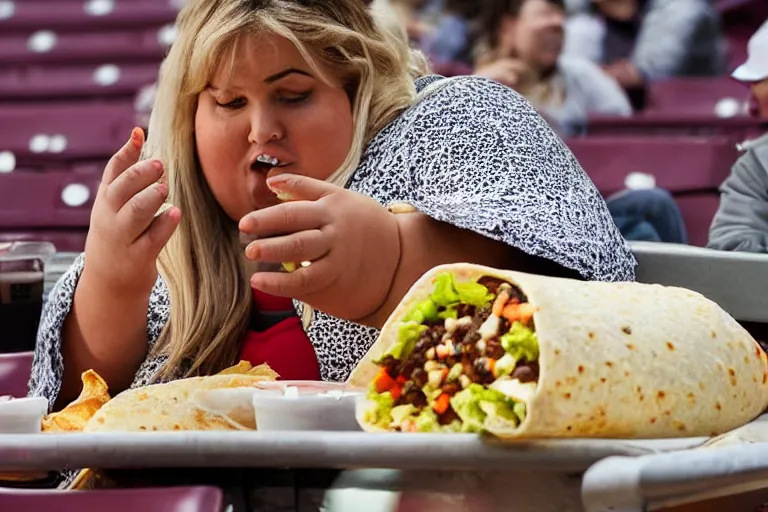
<point x="14" y="375"/>
<point x="50" y="47"/>
<point x="50" y="199"/>
<point x="170" y="499"/>
<point x="65" y="240"/>
<point x="30" y="15"/>
<point x="72" y="82"/>
<point x="695" y="96"/>
<point x="660" y="124"/>
<point x="691" y="168"/>
<point x="40" y="133"/>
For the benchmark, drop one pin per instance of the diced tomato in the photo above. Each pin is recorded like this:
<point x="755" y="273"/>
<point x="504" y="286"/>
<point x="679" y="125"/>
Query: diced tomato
<point x="442" y="403"/>
<point x="519" y="312"/>
<point x="383" y="382"/>
<point x="396" y="391"/>
<point x="401" y="380"/>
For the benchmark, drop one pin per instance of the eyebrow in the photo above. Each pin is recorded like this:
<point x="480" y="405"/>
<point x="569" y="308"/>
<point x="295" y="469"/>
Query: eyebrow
<point x="279" y="76"/>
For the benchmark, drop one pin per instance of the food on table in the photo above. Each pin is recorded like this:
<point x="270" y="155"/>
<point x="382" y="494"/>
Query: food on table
<point x="475" y="349"/>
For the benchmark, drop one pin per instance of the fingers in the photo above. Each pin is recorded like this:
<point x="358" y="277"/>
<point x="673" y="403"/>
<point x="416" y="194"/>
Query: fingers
<point x="302" y="246"/>
<point x="300" y="284"/>
<point x="285" y="218"/>
<point x="159" y="232"/>
<point x="293" y="187"/>
<point x="124" y="158"/>
<point x="139" y="212"/>
<point x="132" y="181"/>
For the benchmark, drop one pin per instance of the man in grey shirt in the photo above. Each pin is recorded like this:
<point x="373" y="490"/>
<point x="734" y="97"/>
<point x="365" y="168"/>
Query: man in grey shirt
<point x="741" y="223"/>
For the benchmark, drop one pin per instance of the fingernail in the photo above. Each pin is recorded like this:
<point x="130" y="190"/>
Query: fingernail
<point x="252" y="251"/>
<point x="137" y="137"/>
<point x="157" y="164"/>
<point x="162" y="188"/>
<point x="246" y="224"/>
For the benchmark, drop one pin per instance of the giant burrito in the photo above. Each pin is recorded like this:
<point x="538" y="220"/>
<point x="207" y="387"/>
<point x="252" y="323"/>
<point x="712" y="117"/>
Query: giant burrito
<point x="475" y="349"/>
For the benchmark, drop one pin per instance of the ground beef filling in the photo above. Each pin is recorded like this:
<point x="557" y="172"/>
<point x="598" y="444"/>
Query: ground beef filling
<point x="438" y="351"/>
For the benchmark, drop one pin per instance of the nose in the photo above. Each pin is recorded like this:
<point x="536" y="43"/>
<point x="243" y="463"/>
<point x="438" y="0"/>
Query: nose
<point x="265" y="126"/>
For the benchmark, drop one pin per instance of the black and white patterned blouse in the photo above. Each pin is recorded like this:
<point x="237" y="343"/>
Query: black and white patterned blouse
<point x="471" y="153"/>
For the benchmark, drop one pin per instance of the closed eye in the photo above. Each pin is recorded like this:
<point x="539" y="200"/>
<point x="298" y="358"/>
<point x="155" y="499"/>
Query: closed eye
<point x="294" y="98"/>
<point x="232" y="105"/>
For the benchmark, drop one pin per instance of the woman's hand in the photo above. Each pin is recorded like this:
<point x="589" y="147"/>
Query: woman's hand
<point x="125" y="237"/>
<point x="511" y="72"/>
<point x="351" y="241"/>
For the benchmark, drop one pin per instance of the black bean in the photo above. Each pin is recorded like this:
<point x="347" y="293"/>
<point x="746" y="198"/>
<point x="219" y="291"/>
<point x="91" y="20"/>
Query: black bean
<point x="492" y="283"/>
<point x="493" y="348"/>
<point x="391" y="365"/>
<point x="463" y="310"/>
<point x="528" y="372"/>
<point x="448" y="417"/>
<point x="419" y="377"/>
<point x="451" y="388"/>
<point x="482" y="314"/>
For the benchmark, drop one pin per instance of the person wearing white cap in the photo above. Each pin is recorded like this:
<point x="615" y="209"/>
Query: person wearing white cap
<point x="755" y="70"/>
<point x="741" y="222"/>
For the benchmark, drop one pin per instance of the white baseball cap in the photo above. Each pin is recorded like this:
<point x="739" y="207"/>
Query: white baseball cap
<point x="756" y="67"/>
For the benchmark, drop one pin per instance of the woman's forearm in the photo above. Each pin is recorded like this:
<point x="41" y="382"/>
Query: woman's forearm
<point x="426" y="243"/>
<point x="105" y="331"/>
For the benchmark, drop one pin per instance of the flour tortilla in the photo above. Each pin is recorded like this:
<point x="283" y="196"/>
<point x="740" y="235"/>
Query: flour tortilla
<point x="169" y="406"/>
<point x="618" y="360"/>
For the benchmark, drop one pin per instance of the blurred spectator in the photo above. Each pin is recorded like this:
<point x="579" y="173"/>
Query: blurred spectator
<point x="646" y="40"/>
<point x="648" y="215"/>
<point x="451" y="40"/>
<point x="443" y="29"/>
<point x="741" y="223"/>
<point x="522" y="48"/>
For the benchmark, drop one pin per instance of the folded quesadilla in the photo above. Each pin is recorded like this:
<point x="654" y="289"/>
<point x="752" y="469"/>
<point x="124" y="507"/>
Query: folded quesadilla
<point x="169" y="406"/>
<point x="475" y="349"/>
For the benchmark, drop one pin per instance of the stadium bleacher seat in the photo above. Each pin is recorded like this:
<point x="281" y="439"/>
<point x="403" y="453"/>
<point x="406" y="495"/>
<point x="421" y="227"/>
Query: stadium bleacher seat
<point x="69" y="72"/>
<point x="691" y="168"/>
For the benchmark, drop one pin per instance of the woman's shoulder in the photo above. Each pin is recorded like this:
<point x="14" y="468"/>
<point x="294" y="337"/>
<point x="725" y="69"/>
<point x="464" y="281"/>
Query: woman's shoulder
<point x="466" y="95"/>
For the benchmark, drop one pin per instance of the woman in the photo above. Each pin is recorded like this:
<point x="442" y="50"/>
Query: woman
<point x="522" y="49"/>
<point x="294" y="123"/>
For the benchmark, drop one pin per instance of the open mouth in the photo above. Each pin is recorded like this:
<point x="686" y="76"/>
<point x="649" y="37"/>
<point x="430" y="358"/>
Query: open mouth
<point x="265" y="162"/>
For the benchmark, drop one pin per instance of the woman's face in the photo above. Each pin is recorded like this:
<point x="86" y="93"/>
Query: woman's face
<point x="271" y="114"/>
<point x="535" y="35"/>
<point x="760" y="92"/>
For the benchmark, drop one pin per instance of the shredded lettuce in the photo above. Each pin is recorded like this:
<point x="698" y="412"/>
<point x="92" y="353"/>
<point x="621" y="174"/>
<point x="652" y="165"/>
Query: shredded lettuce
<point x="521" y="343"/>
<point x="380" y="411"/>
<point x="449" y="293"/>
<point x="474" y="404"/>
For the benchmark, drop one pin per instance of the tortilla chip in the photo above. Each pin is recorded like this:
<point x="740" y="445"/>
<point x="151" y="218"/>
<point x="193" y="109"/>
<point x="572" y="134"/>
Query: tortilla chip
<point x="74" y="417"/>
<point x="88" y="479"/>
<point x="241" y="367"/>
<point x="263" y="370"/>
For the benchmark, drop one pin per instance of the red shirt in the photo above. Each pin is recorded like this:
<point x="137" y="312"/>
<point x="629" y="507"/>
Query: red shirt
<point x="285" y="346"/>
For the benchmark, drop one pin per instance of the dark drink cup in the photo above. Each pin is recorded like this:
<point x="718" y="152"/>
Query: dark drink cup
<point x="21" y="302"/>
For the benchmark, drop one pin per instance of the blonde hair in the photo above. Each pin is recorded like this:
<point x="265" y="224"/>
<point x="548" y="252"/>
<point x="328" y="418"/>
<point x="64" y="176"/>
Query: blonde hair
<point x="203" y="264"/>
